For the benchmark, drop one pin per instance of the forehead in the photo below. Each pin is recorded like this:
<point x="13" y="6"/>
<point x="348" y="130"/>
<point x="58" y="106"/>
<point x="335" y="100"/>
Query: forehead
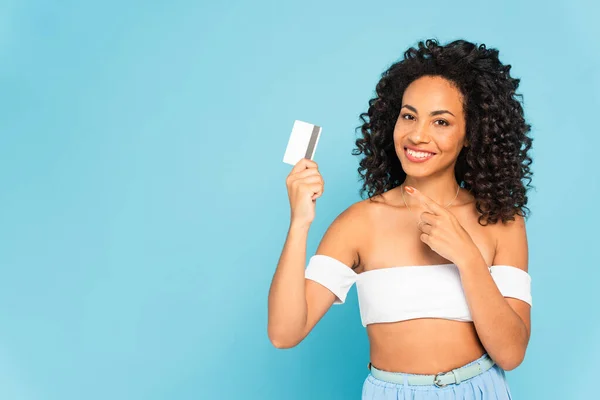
<point x="430" y="93"/>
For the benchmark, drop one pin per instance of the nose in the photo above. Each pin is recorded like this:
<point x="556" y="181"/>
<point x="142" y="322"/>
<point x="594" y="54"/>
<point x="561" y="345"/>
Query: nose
<point x="419" y="135"/>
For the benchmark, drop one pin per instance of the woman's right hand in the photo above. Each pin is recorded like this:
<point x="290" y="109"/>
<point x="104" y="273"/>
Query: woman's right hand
<point x="305" y="185"/>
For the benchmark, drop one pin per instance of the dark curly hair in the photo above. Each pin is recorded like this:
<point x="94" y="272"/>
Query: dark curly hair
<point x="494" y="164"/>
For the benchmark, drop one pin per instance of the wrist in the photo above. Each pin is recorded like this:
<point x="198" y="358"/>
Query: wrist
<point x="300" y="226"/>
<point x="470" y="259"/>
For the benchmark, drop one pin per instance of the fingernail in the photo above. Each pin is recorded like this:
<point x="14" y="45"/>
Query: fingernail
<point x="409" y="189"/>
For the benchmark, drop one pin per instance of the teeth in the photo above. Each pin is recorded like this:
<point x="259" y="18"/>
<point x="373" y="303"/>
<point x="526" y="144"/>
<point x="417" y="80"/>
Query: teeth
<point x="418" y="154"/>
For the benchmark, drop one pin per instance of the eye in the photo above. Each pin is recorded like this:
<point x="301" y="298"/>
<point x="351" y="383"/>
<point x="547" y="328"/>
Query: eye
<point x="442" y="122"/>
<point x="410" y="117"/>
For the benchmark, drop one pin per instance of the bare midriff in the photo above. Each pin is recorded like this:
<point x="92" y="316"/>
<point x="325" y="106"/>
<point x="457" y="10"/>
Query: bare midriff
<point x="424" y="345"/>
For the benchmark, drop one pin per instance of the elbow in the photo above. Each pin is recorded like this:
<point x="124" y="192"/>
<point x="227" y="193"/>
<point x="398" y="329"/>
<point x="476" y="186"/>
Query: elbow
<point x="513" y="355"/>
<point x="509" y="365"/>
<point x="282" y="344"/>
<point x="282" y="340"/>
<point x="508" y="361"/>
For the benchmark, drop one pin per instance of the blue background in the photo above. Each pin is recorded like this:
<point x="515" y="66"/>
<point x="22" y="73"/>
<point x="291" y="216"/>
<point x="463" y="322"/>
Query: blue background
<point x="143" y="205"/>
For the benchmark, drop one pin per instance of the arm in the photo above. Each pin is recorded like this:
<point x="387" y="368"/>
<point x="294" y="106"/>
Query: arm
<point x="503" y="324"/>
<point x="296" y="304"/>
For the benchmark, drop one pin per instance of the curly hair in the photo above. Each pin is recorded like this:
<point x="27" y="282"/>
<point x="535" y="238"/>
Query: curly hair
<point x="494" y="164"/>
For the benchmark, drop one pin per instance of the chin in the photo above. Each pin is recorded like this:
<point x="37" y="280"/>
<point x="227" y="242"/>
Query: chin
<point x="416" y="172"/>
<point x="415" y="169"/>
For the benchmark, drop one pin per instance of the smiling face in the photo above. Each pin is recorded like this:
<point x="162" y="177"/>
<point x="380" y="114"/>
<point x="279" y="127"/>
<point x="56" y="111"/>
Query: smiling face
<point x="430" y="130"/>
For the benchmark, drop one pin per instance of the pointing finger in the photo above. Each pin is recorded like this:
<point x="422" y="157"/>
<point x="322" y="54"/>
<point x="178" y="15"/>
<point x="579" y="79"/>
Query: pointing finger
<point x="432" y="205"/>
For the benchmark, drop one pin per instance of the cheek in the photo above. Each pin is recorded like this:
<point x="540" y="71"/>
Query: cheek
<point x="446" y="145"/>
<point x="397" y="135"/>
<point x="399" y="131"/>
<point x="451" y="142"/>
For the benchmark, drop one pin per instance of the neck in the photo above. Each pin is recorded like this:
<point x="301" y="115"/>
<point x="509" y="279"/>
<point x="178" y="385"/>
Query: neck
<point x="441" y="189"/>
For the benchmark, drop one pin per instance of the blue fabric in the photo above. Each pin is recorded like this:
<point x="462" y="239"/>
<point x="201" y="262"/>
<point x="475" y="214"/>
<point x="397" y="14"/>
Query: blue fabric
<point x="490" y="385"/>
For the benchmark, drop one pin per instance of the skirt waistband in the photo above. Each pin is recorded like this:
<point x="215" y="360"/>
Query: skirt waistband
<point x="440" y="379"/>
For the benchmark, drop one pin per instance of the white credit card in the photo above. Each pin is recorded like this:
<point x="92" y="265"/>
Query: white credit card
<point x="303" y="142"/>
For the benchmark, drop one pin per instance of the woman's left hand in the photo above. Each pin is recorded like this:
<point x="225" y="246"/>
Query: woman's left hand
<point x="442" y="232"/>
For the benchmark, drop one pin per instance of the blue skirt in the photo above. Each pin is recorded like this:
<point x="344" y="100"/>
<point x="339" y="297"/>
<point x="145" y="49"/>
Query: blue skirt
<point x="489" y="385"/>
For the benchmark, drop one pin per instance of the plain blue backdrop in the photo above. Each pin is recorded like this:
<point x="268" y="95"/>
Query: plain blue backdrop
<point x="143" y="205"/>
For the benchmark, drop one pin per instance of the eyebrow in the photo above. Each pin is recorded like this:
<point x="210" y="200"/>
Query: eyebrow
<point x="433" y="113"/>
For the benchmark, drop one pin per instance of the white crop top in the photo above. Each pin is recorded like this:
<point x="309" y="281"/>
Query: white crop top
<point x="407" y="292"/>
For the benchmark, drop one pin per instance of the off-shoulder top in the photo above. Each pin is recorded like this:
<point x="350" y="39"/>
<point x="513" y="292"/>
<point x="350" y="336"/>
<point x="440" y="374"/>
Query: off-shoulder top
<point x="407" y="292"/>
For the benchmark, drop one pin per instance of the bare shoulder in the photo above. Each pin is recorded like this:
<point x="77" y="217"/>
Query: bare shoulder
<point x="343" y="237"/>
<point x="351" y="219"/>
<point x="511" y="229"/>
<point x="511" y="243"/>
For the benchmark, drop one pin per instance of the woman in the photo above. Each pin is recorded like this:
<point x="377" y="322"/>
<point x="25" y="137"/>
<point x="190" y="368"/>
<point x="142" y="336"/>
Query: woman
<point x="439" y="249"/>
